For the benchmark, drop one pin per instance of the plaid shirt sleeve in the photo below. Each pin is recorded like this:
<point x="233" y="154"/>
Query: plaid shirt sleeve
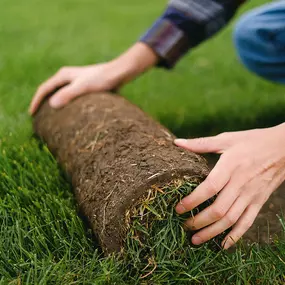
<point x="185" y="24"/>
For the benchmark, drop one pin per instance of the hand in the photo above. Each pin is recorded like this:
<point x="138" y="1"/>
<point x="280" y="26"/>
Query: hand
<point x="77" y="81"/>
<point x="251" y="167"/>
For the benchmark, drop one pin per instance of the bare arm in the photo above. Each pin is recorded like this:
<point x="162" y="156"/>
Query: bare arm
<point x="184" y="25"/>
<point x="95" y="78"/>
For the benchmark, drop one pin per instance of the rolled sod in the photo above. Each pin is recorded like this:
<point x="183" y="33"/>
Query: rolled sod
<point x="126" y="172"/>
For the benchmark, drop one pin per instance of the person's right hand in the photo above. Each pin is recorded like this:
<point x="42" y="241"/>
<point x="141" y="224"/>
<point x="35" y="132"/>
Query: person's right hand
<point x="77" y="81"/>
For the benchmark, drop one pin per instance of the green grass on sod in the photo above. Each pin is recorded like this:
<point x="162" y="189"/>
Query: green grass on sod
<point x="42" y="239"/>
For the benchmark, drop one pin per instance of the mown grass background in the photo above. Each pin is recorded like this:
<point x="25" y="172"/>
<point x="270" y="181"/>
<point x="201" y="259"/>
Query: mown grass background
<point x="42" y="240"/>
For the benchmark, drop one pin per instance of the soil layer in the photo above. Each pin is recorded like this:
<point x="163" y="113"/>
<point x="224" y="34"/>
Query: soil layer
<point x="114" y="154"/>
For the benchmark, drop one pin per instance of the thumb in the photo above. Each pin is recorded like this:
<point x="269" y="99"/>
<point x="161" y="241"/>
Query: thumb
<point x="202" y="145"/>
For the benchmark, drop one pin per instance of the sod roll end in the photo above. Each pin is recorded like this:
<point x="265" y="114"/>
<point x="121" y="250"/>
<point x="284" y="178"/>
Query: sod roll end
<point x="117" y="157"/>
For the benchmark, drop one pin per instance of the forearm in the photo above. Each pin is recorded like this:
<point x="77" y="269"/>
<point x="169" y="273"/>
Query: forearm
<point x="185" y="24"/>
<point x="136" y="60"/>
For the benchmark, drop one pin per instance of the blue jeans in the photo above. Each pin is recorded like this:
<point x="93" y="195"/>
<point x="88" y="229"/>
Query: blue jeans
<point x="259" y="38"/>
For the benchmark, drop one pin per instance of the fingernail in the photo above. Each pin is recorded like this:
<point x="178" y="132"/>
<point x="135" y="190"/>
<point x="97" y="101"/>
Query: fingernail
<point x="54" y="102"/>
<point x="189" y="224"/>
<point x="196" y="240"/>
<point x="180" y="209"/>
<point x="180" y="141"/>
<point x="227" y="245"/>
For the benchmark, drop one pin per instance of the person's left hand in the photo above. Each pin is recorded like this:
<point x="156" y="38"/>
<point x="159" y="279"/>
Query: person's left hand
<point x="250" y="169"/>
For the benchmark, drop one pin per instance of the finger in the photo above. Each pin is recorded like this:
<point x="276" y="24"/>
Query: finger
<point x="202" y="145"/>
<point x="46" y="88"/>
<point x="217" y="210"/>
<point x="242" y="225"/>
<point x="214" y="183"/>
<point x="65" y="95"/>
<point x="223" y="224"/>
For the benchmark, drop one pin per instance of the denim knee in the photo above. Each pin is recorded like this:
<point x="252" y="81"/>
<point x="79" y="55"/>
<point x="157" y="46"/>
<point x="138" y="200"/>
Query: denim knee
<point x="259" y="37"/>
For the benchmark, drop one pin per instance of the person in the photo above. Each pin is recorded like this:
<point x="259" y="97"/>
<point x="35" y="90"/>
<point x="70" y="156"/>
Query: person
<point x="252" y="163"/>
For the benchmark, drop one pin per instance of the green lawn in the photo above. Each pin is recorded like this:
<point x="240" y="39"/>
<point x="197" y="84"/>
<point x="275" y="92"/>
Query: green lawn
<point x="42" y="240"/>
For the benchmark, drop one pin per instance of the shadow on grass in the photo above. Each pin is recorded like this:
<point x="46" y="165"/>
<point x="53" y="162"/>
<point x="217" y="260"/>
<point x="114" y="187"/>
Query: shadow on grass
<point x="225" y="121"/>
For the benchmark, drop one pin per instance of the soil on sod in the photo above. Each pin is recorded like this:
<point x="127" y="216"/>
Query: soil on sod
<point x="114" y="153"/>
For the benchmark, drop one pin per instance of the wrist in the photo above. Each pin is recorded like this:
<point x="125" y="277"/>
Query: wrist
<point x="138" y="59"/>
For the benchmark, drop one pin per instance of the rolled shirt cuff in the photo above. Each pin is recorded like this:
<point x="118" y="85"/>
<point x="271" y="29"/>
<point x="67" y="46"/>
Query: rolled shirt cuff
<point x="168" y="42"/>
